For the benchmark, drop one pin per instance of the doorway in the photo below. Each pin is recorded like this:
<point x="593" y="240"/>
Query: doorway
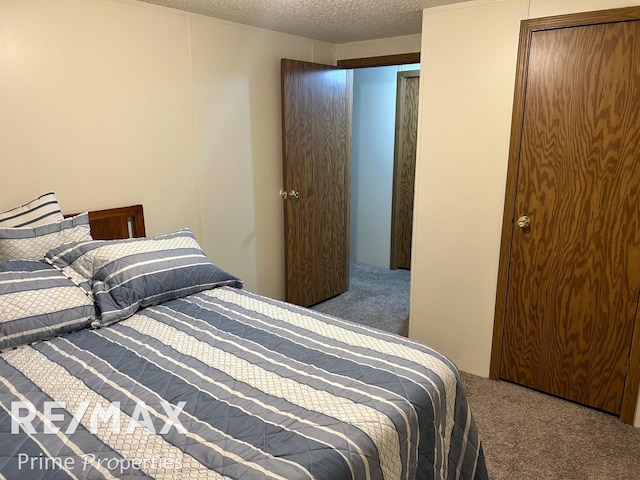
<point x="375" y="127"/>
<point x="378" y="295"/>
<point x="317" y="116"/>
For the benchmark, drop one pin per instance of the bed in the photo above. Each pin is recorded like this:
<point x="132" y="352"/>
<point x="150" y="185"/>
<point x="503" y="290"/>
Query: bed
<point x="162" y="366"/>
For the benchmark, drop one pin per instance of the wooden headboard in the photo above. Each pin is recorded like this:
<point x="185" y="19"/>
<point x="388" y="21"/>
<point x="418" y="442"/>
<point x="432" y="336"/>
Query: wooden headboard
<point x="117" y="223"/>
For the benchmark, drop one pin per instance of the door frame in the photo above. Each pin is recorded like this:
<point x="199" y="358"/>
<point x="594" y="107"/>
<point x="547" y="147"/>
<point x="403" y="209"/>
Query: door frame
<point x="398" y="152"/>
<point x="381" y="61"/>
<point x="386" y="61"/>
<point x="527" y="27"/>
<point x="347" y="65"/>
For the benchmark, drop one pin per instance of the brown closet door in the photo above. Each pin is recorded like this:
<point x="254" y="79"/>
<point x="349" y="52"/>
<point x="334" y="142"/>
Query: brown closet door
<point x="574" y="271"/>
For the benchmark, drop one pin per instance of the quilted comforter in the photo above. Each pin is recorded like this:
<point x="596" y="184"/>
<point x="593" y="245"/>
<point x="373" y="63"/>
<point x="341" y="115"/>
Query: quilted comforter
<point x="228" y="384"/>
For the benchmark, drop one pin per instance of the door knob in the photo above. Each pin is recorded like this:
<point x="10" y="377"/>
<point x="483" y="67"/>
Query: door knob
<point x="290" y="194"/>
<point x="524" y="222"/>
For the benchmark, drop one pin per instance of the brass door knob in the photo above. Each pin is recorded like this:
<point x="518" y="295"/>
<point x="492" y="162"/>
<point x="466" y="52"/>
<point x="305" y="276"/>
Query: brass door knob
<point x="524" y="222"/>
<point x="291" y="194"/>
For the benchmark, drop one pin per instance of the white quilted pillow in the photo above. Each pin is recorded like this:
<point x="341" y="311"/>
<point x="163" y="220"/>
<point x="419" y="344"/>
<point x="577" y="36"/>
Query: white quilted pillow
<point x="33" y="243"/>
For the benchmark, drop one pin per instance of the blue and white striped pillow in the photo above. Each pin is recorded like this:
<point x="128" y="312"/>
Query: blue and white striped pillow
<point x="39" y="211"/>
<point x="38" y="302"/>
<point x="31" y="243"/>
<point x="126" y="275"/>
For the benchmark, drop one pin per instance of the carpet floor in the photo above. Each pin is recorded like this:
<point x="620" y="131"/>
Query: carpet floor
<point x="526" y="435"/>
<point x="377" y="297"/>
<point x="530" y="435"/>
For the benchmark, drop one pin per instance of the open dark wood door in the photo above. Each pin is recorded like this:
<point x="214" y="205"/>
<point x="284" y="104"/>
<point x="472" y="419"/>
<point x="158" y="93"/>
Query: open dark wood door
<point x="570" y="261"/>
<point x="316" y="144"/>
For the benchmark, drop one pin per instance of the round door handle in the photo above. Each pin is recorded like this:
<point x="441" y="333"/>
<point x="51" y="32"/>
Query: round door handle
<point x="524" y="222"/>
<point x="291" y="194"/>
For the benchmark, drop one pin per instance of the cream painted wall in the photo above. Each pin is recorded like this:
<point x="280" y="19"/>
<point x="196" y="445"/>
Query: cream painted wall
<point x="468" y="69"/>
<point x="547" y="8"/>
<point x="114" y="102"/>
<point x="96" y="106"/>
<point x="376" y="48"/>
<point x="239" y="145"/>
<point x="467" y="77"/>
<point x="110" y="103"/>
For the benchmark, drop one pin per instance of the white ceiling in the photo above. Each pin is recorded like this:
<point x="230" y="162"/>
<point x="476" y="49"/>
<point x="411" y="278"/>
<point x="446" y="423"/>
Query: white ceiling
<point x="333" y="21"/>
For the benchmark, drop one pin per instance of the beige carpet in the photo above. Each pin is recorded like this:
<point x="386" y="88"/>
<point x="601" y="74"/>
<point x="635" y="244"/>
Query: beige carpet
<point x="377" y="297"/>
<point x="530" y="435"/>
<point x="525" y="434"/>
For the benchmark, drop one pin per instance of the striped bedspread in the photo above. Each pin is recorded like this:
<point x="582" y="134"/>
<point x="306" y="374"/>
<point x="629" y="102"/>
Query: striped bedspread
<point x="228" y="384"/>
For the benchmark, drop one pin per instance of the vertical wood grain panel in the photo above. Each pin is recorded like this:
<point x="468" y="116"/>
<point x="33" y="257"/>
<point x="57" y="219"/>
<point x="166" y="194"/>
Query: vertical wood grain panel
<point x="316" y="104"/>
<point x="404" y="169"/>
<point x="574" y="275"/>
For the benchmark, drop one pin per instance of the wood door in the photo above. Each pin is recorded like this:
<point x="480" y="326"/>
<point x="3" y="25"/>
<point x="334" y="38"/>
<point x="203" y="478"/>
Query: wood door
<point x="404" y="169"/>
<point x="316" y="144"/>
<point x="569" y="282"/>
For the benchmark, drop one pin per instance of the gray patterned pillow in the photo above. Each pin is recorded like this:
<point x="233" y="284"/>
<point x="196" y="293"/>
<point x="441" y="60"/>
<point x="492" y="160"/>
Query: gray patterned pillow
<point x="126" y="275"/>
<point x="33" y="243"/>
<point x="38" y="302"/>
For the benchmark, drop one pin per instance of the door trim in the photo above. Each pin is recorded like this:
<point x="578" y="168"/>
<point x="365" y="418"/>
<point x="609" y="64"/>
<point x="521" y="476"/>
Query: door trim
<point x="397" y="156"/>
<point x="527" y="28"/>
<point x="381" y="61"/>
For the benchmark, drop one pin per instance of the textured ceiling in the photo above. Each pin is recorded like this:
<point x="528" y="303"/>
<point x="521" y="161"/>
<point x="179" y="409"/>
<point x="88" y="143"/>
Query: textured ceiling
<point x="333" y="21"/>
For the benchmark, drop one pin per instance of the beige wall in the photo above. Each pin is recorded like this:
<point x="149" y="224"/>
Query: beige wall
<point x="96" y="106"/>
<point x="468" y="71"/>
<point x="236" y="105"/>
<point x="114" y="102"/>
<point x="376" y="48"/>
